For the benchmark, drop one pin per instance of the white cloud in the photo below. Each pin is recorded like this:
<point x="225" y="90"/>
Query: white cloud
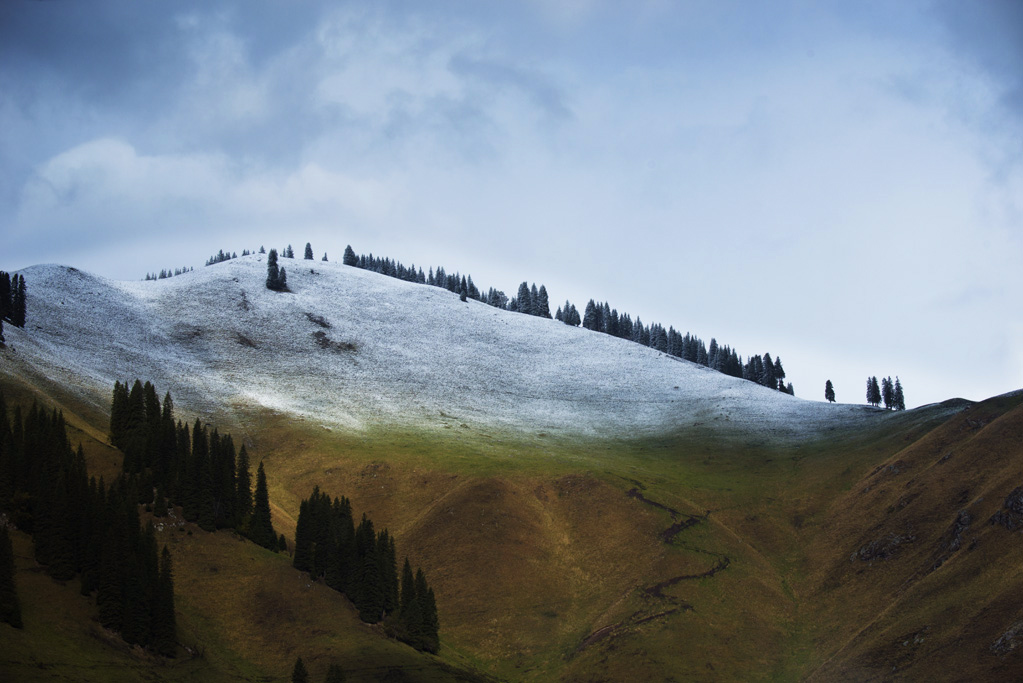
<point x="104" y="190"/>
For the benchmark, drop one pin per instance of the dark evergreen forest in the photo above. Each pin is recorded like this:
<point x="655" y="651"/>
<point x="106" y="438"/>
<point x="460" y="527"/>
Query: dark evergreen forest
<point x="361" y="563"/>
<point x="201" y="471"/>
<point x="13" y="300"/>
<point x="83" y="528"/>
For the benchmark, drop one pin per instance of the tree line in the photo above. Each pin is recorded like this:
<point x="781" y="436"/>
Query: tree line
<point x="196" y="468"/>
<point x="81" y="527"/>
<point x="13" y="301"/>
<point x="361" y="563"/>
<point x="891" y="393"/>
<point x="201" y="471"/>
<point x="599" y="317"/>
<point x="167" y="272"/>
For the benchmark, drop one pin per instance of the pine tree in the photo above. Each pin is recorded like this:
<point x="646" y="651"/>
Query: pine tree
<point x="10" y="607"/>
<point x="900" y="397"/>
<point x="428" y="626"/>
<point x="349" y="258"/>
<point x="543" y="307"/>
<point x="590" y="315"/>
<point x="164" y="630"/>
<point x="408" y="589"/>
<point x="324" y="259"/>
<point x="273" y="272"/>
<point x="887" y="392"/>
<point x="6" y="296"/>
<point x="335" y="674"/>
<point x="289" y="252"/>
<point x="309" y="251"/>
<point x="524" y="300"/>
<point x="873" y="392"/>
<point x="19" y="303"/>
<point x="261" y="529"/>
<point x="829" y="391"/>
<point x="243" y="486"/>
<point x="299" y="673"/>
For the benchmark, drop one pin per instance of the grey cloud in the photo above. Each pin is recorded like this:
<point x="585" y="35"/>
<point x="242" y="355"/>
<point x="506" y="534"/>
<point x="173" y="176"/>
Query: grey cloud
<point x="990" y="33"/>
<point x="496" y="74"/>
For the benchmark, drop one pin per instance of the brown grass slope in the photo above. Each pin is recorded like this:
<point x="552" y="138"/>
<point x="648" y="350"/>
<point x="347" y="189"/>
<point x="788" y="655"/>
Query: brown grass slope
<point x="913" y="581"/>
<point x="243" y="613"/>
<point x="682" y="557"/>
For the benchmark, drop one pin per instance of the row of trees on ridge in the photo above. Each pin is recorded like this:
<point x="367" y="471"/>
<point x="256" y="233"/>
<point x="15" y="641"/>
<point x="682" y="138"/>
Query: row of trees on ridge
<point x="891" y="393"/>
<point x="599" y="317"/>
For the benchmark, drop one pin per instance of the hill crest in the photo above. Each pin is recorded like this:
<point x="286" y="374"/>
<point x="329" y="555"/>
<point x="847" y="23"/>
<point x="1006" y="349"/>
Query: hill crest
<point x="348" y="348"/>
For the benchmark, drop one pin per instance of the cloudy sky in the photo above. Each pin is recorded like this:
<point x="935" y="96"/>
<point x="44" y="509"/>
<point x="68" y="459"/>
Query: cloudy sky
<point x="840" y="184"/>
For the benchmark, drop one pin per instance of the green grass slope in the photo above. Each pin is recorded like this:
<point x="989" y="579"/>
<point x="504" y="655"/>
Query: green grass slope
<point x="688" y="556"/>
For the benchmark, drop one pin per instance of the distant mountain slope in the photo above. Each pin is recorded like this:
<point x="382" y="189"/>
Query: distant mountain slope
<point x="347" y="348"/>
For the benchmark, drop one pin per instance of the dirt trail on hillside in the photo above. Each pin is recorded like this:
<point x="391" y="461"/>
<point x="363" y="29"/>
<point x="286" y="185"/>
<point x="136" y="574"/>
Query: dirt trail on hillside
<point x="680" y="522"/>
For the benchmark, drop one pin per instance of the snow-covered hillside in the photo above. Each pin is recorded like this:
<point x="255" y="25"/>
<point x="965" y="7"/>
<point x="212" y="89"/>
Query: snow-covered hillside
<point x="348" y="348"/>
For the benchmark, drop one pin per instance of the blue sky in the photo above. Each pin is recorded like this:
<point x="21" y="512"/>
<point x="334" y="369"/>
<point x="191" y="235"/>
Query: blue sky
<point x="837" y="183"/>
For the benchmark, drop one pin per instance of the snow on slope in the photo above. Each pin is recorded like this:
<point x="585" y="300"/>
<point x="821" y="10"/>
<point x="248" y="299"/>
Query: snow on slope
<point x="349" y="348"/>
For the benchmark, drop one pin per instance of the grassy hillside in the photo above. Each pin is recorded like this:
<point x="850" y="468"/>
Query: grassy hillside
<point x="734" y="534"/>
<point x="610" y="560"/>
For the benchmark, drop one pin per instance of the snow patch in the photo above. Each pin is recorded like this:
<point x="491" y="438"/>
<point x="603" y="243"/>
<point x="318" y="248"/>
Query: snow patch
<point x="348" y="349"/>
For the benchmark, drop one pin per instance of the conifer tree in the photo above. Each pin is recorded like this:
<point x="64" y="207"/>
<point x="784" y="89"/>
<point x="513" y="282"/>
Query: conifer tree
<point x="273" y="271"/>
<point x="289" y="252"/>
<point x="324" y="259"/>
<point x="299" y="673"/>
<point x="590" y="315"/>
<point x="899" y="396"/>
<point x="243" y="486"/>
<point x="19" y="303"/>
<point x="302" y="559"/>
<point x="164" y="631"/>
<point x="408" y="589"/>
<point x="350" y="259"/>
<point x="6" y="295"/>
<point x="261" y="529"/>
<point x="543" y="307"/>
<point x="524" y="299"/>
<point x="873" y="392"/>
<point x="829" y="391"/>
<point x="887" y="392"/>
<point x="308" y="251"/>
<point x="10" y="607"/>
<point x="428" y="626"/>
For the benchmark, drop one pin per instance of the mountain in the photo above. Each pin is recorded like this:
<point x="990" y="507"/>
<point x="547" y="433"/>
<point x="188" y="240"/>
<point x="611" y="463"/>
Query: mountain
<point x="348" y="349"/>
<point x="586" y="508"/>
